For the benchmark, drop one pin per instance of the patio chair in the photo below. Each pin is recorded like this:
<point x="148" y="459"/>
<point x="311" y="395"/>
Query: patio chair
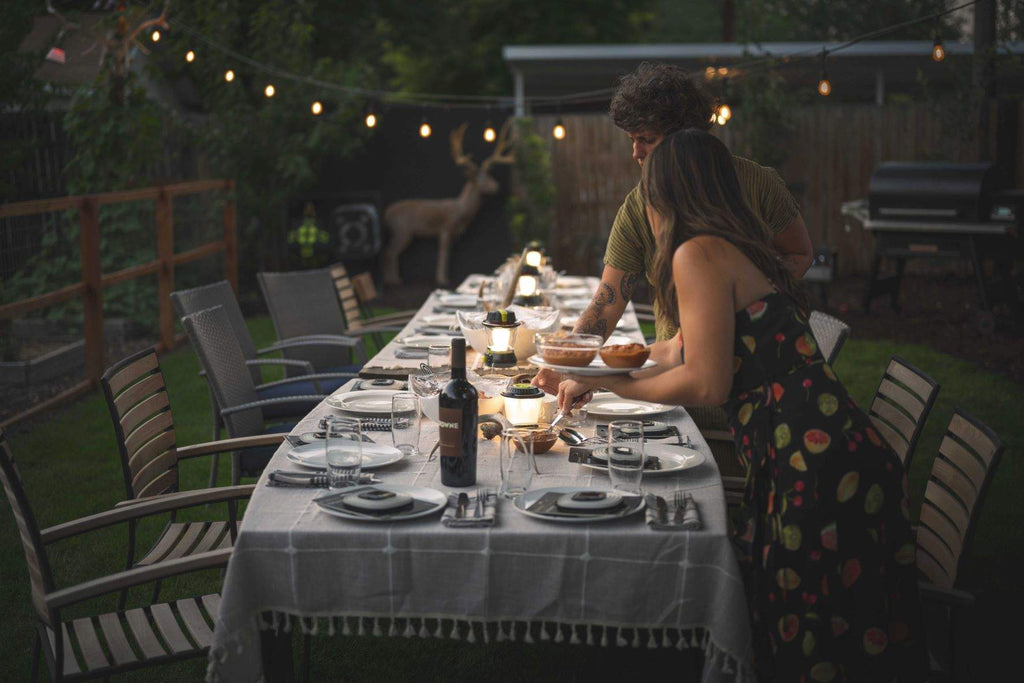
<point x="355" y="294"/>
<point x="901" y="405"/>
<point x="829" y="332"/>
<point x="304" y="304"/>
<point x="91" y="644"/>
<point x="231" y="384"/>
<point x="960" y="477"/>
<point x="140" y="409"/>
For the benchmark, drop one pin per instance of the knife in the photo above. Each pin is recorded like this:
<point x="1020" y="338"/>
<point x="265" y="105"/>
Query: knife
<point x="461" y="505"/>
<point x="662" y="508"/>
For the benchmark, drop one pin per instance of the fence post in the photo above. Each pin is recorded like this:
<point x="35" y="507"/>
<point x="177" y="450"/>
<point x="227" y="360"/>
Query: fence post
<point x="92" y="275"/>
<point x="231" y="238"/>
<point x="165" y="275"/>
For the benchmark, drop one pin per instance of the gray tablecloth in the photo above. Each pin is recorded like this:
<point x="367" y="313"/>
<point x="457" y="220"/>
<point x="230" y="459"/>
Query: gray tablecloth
<point x="608" y="584"/>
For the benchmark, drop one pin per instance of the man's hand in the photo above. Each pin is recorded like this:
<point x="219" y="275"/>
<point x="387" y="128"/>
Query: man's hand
<point x="547" y="380"/>
<point x="573" y="394"/>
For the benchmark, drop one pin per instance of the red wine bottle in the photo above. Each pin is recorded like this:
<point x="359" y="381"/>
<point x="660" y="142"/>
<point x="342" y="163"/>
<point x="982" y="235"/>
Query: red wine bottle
<point x="457" y="410"/>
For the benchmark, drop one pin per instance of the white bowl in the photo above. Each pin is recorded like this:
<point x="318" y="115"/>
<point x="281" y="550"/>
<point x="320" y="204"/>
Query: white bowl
<point x="430" y="407"/>
<point x="471" y="324"/>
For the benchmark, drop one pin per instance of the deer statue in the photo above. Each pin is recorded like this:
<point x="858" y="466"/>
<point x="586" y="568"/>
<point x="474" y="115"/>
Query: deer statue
<point x="444" y="219"/>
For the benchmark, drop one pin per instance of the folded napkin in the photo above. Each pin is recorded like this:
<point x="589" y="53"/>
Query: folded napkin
<point x="472" y="518"/>
<point x="410" y="353"/>
<point x="373" y="384"/>
<point x="439" y="331"/>
<point x="655" y="505"/>
<point x="368" y="424"/>
<point x="316" y="480"/>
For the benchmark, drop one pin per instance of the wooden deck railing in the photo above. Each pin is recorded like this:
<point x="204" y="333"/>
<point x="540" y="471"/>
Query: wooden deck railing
<point x="94" y="280"/>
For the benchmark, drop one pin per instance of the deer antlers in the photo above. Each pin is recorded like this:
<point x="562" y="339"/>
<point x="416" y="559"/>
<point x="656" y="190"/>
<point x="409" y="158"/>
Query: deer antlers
<point x="502" y="153"/>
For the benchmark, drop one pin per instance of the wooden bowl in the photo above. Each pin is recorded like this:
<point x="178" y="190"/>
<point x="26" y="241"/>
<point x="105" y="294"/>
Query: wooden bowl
<point x="625" y="355"/>
<point x="543" y="439"/>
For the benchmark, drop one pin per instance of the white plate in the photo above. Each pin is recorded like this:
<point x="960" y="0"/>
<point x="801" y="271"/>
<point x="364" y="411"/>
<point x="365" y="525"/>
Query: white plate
<point x="438" y="320"/>
<point x="433" y="496"/>
<point x="458" y="300"/>
<point x="374" y="455"/>
<point x="596" y="367"/>
<point x="530" y="497"/>
<point x="374" y="402"/>
<point x="470" y="286"/>
<point x="673" y="458"/>
<point x="424" y="341"/>
<point x="569" y="292"/>
<point x="610" y="405"/>
<point x="569" y="321"/>
<point x="569" y="281"/>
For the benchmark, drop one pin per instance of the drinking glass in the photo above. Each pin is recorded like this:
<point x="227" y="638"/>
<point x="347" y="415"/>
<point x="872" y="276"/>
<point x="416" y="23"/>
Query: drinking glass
<point x="405" y="422"/>
<point x="344" y="451"/>
<point x="439" y="357"/>
<point x="515" y="460"/>
<point x="427" y="388"/>
<point x="626" y="454"/>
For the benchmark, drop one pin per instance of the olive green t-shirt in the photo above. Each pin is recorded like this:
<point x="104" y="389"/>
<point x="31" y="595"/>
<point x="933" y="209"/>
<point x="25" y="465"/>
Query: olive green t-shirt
<point x="631" y="242"/>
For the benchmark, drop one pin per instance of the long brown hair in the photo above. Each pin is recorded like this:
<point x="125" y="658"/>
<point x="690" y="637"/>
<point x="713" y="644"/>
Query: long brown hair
<point x="690" y="181"/>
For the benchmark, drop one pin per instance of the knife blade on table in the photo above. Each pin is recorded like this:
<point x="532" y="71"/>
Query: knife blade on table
<point x="461" y="505"/>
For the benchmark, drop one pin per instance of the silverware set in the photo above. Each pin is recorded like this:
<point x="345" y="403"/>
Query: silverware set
<point x="462" y="505"/>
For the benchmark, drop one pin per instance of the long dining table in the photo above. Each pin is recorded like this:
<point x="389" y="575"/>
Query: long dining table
<point x="619" y="583"/>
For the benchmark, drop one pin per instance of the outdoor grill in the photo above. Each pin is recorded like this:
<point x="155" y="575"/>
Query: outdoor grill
<point x="942" y="210"/>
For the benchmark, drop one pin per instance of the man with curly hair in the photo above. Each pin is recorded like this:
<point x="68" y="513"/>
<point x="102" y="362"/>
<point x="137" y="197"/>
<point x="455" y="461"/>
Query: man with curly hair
<point x="651" y="103"/>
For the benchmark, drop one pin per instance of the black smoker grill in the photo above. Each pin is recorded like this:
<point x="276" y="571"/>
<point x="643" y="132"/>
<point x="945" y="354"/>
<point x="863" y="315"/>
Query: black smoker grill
<point x="942" y="210"/>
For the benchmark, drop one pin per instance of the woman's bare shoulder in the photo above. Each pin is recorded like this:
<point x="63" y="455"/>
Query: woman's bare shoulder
<point x="703" y="250"/>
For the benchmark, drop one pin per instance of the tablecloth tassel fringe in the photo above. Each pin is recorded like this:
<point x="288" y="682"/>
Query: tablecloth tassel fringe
<point x="487" y="636"/>
<point x="575" y="639"/>
<point x="471" y="636"/>
<point x="454" y="635"/>
<point x="666" y="640"/>
<point x="346" y="627"/>
<point x="681" y="644"/>
<point x="376" y="627"/>
<point x="620" y="640"/>
<point x="276" y="623"/>
<point x="528" y="636"/>
<point x="636" y="638"/>
<point x="590" y="635"/>
<point x="262" y="622"/>
<point x="559" y="638"/>
<point x="604" y="635"/>
<point x="424" y="631"/>
<point x="410" y="631"/>
<point x="362" y="626"/>
<point x="544" y="635"/>
<point x="332" y="626"/>
<point x="315" y="631"/>
<point x="438" y="633"/>
<point x="303" y="626"/>
<point x="393" y="629"/>
<point x="287" y="622"/>
<point x="501" y="633"/>
<point x="512" y="631"/>
<point x="695" y="639"/>
<point x="652" y="642"/>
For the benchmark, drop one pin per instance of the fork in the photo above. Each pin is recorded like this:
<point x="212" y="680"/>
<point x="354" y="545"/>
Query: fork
<point x="679" y="500"/>
<point x="480" y="497"/>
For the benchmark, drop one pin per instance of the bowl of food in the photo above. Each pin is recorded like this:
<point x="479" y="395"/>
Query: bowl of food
<point x="625" y="355"/>
<point x="572" y="350"/>
<point x="543" y="438"/>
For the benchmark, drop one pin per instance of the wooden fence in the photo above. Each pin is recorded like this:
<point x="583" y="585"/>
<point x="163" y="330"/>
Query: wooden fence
<point x="830" y="159"/>
<point x="94" y="280"/>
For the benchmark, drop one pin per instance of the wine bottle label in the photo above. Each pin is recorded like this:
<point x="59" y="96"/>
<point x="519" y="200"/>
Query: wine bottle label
<point x="450" y="432"/>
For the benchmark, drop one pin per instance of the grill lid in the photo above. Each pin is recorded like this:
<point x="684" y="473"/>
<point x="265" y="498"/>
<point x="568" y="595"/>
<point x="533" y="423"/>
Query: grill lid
<point x="933" y="191"/>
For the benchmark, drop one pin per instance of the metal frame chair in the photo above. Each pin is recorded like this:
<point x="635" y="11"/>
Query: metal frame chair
<point x="830" y="333"/>
<point x="960" y="477"/>
<point x="901" y="405"/>
<point x="98" y="645"/>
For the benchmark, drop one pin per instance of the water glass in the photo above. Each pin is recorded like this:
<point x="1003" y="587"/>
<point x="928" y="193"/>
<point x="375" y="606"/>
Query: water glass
<point x="515" y="460"/>
<point x="405" y="422"/>
<point x="439" y="357"/>
<point x="344" y="451"/>
<point x="626" y="454"/>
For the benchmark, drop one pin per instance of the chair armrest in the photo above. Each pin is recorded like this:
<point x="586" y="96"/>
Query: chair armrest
<point x="388" y="318"/>
<point x="134" y="577"/>
<point x="310" y="400"/>
<point x="294" y="362"/>
<point x="143" y="508"/>
<point x="951" y="597"/>
<point x="313" y="340"/>
<point x="309" y="378"/>
<point x="226" y="445"/>
<point x="206" y="496"/>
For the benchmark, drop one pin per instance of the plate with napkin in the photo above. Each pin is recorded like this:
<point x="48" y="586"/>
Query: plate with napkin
<point x="382" y="502"/>
<point x="470" y="510"/>
<point x="665" y="517"/>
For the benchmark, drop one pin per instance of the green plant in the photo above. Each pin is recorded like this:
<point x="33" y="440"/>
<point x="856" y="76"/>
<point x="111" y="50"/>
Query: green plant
<point x="763" y="122"/>
<point x="529" y="206"/>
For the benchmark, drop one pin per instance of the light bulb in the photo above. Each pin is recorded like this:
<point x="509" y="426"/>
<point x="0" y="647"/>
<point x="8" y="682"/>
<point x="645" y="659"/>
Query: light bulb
<point x="501" y="338"/>
<point x="229" y="75"/>
<point x="425" y="130"/>
<point x="709" y="73"/>
<point x="938" y="51"/>
<point x="371" y="120"/>
<point x="155" y="36"/>
<point x="190" y="56"/>
<point x="824" y="87"/>
<point x="269" y="90"/>
<point x="558" y="132"/>
<point x="533" y="258"/>
<point x="725" y="112"/>
<point x="720" y="120"/>
<point x="527" y="285"/>
<point x="317" y="108"/>
<point x="489" y="133"/>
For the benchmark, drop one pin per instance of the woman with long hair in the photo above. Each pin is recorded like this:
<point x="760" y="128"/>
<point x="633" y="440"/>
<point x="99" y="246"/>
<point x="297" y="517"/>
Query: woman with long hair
<point x="823" y="535"/>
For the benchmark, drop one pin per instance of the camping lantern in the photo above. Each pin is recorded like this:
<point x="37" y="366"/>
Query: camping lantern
<point x="527" y="293"/>
<point x="501" y="328"/>
<point x="534" y="254"/>
<point x="523" y="403"/>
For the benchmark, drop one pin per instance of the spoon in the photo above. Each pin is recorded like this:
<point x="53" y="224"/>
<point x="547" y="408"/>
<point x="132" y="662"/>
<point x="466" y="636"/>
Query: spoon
<point x="571" y="436"/>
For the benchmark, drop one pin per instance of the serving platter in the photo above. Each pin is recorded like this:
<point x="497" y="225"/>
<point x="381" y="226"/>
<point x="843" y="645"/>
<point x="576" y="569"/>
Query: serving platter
<point x="374" y="455"/>
<point x="610" y="405"/>
<point x="596" y="368"/>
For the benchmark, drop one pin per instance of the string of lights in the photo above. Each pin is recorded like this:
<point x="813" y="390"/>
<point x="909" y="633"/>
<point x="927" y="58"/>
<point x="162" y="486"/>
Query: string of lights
<point x="376" y="98"/>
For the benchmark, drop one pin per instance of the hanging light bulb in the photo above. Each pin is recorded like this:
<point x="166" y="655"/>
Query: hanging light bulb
<point x="317" y="108"/>
<point x="824" y="86"/>
<point x="155" y="36"/>
<point x="938" y="51"/>
<point x="558" y="132"/>
<point x="370" y="116"/>
<point x="425" y="129"/>
<point x="489" y="134"/>
<point x="190" y="56"/>
<point x="229" y="75"/>
<point x="269" y="91"/>
<point x="725" y="112"/>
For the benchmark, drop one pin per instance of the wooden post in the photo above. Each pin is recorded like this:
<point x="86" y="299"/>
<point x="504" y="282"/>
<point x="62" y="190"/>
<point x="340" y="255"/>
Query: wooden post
<point x="231" y="238"/>
<point x="511" y="293"/>
<point x="92" y="275"/>
<point x="165" y="275"/>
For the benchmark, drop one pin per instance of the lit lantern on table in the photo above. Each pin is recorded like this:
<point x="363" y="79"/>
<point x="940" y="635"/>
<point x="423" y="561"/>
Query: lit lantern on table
<point x="523" y="404"/>
<point x="501" y="338"/>
<point x="527" y="288"/>
<point x="534" y="254"/>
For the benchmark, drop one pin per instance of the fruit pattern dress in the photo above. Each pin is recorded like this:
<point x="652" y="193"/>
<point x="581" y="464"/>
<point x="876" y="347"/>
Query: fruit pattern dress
<point x="824" y="536"/>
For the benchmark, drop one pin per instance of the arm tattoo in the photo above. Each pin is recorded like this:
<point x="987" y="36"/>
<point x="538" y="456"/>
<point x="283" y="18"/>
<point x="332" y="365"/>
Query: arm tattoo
<point x="591" y="321"/>
<point x="605" y="295"/>
<point x="628" y="286"/>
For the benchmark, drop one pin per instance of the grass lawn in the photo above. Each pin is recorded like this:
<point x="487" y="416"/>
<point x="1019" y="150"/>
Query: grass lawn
<point x="68" y="460"/>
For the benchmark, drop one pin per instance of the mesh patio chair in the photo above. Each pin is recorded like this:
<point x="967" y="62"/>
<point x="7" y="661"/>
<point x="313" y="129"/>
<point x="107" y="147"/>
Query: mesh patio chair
<point x="140" y="408"/>
<point x="901" y="405"/>
<point x="231" y="384"/>
<point x="960" y="478"/>
<point x="830" y="333"/>
<point x="304" y="304"/>
<point x="93" y="645"/>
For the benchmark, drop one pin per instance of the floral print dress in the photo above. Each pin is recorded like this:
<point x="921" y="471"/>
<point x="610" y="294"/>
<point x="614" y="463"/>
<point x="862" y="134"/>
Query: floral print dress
<point x="824" y="536"/>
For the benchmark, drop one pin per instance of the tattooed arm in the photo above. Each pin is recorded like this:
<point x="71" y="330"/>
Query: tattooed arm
<point x="600" y="317"/>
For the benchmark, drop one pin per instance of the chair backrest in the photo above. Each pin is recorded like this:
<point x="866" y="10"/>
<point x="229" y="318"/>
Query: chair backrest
<point x="221" y="293"/>
<point x="830" y="333"/>
<point x="40" y="577"/>
<point x="960" y="476"/>
<point x="347" y="296"/>
<point x="304" y="302"/>
<point x="221" y="358"/>
<point x="901" y="405"/>
<point x="143" y="424"/>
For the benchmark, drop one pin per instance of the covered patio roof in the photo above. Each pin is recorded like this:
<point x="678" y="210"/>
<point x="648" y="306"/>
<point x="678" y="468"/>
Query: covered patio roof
<point x="865" y="71"/>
